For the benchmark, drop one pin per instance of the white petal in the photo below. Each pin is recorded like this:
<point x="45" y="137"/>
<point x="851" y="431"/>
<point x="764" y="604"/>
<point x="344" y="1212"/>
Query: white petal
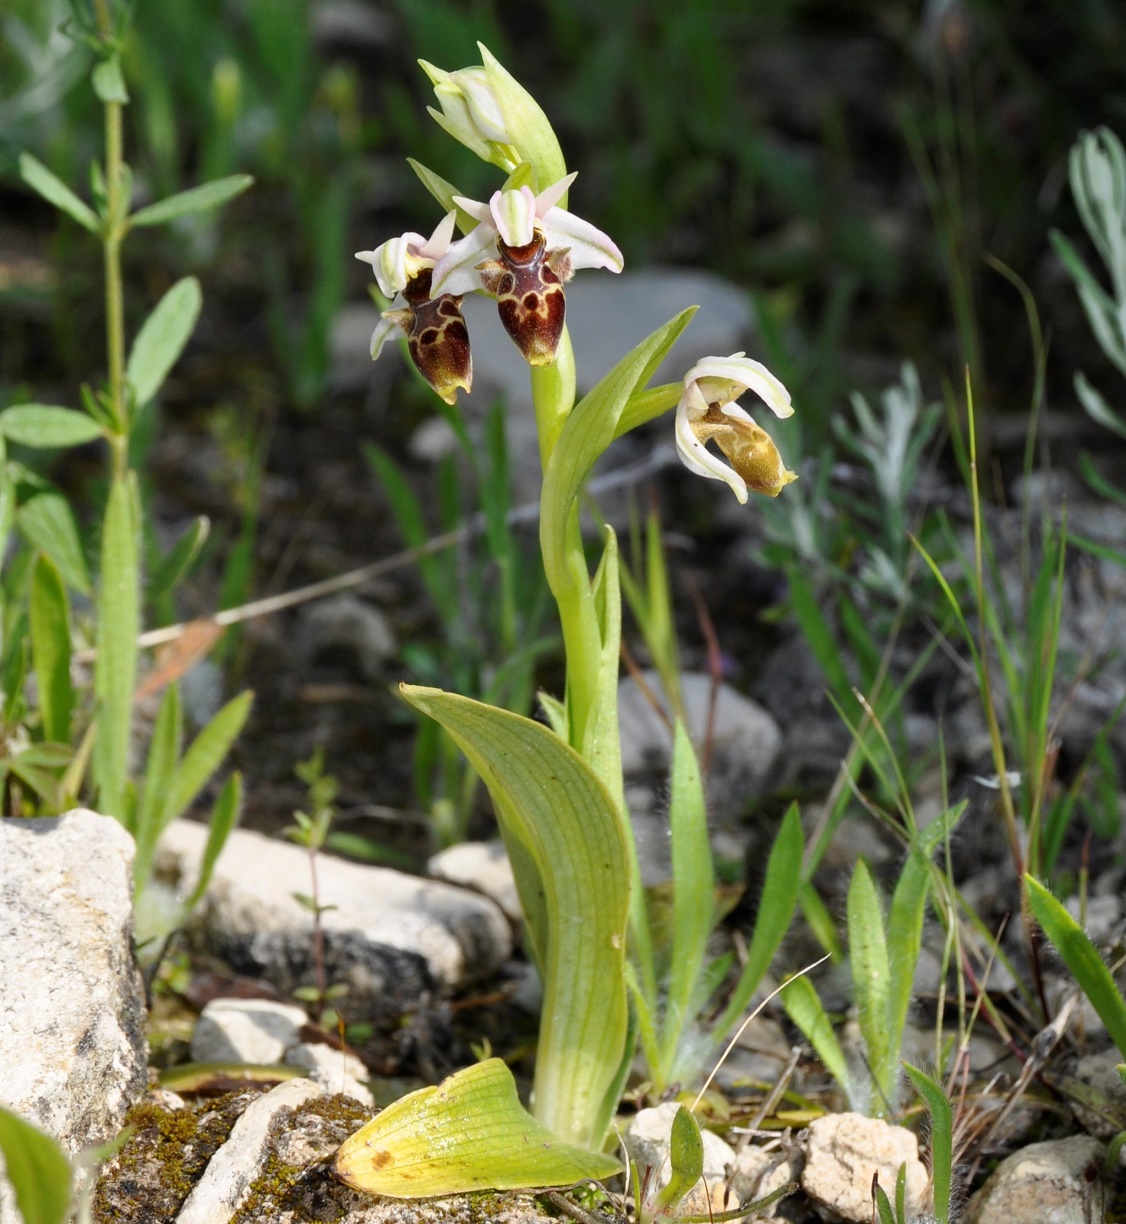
<point x="550" y="196"/>
<point x="589" y="247"/>
<point x="439" y="241"/>
<point x="395" y="262"/>
<point x="455" y="272"/>
<point x="384" y="330"/>
<point x="514" y="215"/>
<point x="722" y="378"/>
<point x="484" y="108"/>
<point x="697" y="458"/>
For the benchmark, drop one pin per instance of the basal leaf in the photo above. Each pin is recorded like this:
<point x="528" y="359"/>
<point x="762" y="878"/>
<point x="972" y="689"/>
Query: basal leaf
<point x="942" y="1139"/>
<point x="37" y="1169"/>
<point x="206" y="754"/>
<point x="569" y="838"/>
<point x="160" y="770"/>
<point x="195" y="199"/>
<point x="805" y="1009"/>
<point x="47" y="426"/>
<point x="49" y="619"/>
<point x="469" y="1132"/>
<point x="224" y="816"/>
<point x="871" y="977"/>
<point x="161" y="339"/>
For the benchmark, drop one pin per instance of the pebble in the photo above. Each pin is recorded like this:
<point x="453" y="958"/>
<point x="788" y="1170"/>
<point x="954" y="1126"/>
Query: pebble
<point x="72" y="1036"/>
<point x="842" y="1151"/>
<point x="483" y="867"/>
<point x="389" y="938"/>
<point x="1044" y="1183"/>
<point x="335" y="1070"/>
<point x="246" y="1031"/>
<point x="349" y="626"/>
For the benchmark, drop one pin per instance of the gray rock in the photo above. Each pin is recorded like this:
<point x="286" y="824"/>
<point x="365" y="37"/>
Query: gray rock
<point x="758" y="1173"/>
<point x="647" y="1142"/>
<point x="842" y="1151"/>
<point x="390" y="938"/>
<point x="483" y="867"/>
<point x="1102" y="918"/>
<point x="746" y="739"/>
<point x="1044" y="1183"/>
<point x="335" y="1070"/>
<point x="350" y="625"/>
<point x="72" y="1039"/>
<point x="235" y="1166"/>
<point x="1097" y="1095"/>
<point x="246" y="1030"/>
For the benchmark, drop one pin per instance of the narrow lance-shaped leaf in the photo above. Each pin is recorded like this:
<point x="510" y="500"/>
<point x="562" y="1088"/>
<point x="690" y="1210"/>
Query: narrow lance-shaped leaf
<point x="467" y="1133"/>
<point x="36" y="175"/>
<point x="557" y="813"/>
<point x="206" y="754"/>
<point x="49" y="618"/>
<point x="115" y="667"/>
<point x="47" y="426"/>
<point x="224" y="816"/>
<point x="164" y="756"/>
<point x="804" y="1007"/>
<point x="871" y="979"/>
<point x="37" y="1169"/>
<point x="1082" y="958"/>
<point x="46" y="521"/>
<point x="195" y="199"/>
<point x="162" y="337"/>
<point x="942" y="1139"/>
<point x="905" y="941"/>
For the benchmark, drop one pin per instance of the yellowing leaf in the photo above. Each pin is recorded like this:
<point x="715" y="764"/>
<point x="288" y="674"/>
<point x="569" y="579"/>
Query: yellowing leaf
<point x="470" y="1132"/>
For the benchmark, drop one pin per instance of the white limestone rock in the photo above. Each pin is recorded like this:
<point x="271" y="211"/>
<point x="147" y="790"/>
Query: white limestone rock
<point x="483" y="867"/>
<point x="1044" y="1183"/>
<point x="246" y="1031"/>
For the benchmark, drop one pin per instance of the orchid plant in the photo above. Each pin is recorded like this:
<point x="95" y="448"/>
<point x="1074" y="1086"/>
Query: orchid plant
<point x="557" y="789"/>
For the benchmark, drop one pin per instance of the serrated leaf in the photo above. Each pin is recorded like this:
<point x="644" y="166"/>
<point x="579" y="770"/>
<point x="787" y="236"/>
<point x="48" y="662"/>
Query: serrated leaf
<point x="115" y="666"/>
<point x="49" y="620"/>
<point x="1082" y="958"/>
<point x="571" y="860"/>
<point x="36" y="175"/>
<point x="37" y="1169"/>
<point x="195" y="199"/>
<point x="467" y="1133"/>
<point x="47" y="426"/>
<point x="46" y="522"/>
<point x="161" y="339"/>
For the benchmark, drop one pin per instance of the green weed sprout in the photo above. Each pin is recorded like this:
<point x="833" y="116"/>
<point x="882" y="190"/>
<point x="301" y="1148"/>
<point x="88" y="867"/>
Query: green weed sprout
<point x="558" y="790"/>
<point x="172" y="779"/>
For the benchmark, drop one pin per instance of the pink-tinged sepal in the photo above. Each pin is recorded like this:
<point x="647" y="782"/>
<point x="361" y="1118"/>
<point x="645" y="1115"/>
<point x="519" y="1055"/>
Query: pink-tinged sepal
<point x="530" y="298"/>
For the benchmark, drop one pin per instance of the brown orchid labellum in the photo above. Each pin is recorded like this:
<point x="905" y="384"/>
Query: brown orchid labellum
<point x="527" y="282"/>
<point x="437" y="337"/>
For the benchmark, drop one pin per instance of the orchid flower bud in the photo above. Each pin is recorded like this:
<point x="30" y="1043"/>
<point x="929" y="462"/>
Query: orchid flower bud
<point x="707" y="412"/>
<point x="490" y="112"/>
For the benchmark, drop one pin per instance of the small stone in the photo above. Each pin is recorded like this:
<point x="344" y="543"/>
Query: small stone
<point x="1103" y="915"/>
<point x="72" y="1038"/>
<point x="483" y="867"/>
<point x="1058" y="1182"/>
<point x="842" y="1153"/>
<point x="348" y="625"/>
<point x="335" y="1070"/>
<point x="230" y="1172"/>
<point x="758" y="1173"/>
<point x="389" y="939"/>
<point x="246" y="1031"/>
<point x="1096" y="1095"/>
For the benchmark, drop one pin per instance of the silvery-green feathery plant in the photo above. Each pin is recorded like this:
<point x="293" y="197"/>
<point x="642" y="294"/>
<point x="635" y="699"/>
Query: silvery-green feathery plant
<point x="557" y="788"/>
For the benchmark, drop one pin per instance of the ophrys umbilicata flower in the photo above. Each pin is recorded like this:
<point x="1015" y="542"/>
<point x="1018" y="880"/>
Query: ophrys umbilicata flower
<point x="707" y="412"/>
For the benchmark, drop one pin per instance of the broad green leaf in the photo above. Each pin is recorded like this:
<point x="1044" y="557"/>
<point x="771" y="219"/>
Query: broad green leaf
<point x="38" y="1170"/>
<point x="46" y="522"/>
<point x="568" y="848"/>
<point x="160" y="770"/>
<point x="686" y="1159"/>
<point x="775" y="910"/>
<point x="224" y="816"/>
<point x="161" y="339"/>
<point x="693" y="890"/>
<point x="115" y="667"/>
<point x="804" y="1008"/>
<point x="49" y="619"/>
<point x="1082" y="958"/>
<point x="36" y="175"/>
<point x="871" y="975"/>
<point x="196" y="199"/>
<point x="206" y="754"/>
<point x="467" y="1133"/>
<point x="942" y="1139"/>
<point x="588" y="431"/>
<point x="47" y="426"/>
<point x="108" y="82"/>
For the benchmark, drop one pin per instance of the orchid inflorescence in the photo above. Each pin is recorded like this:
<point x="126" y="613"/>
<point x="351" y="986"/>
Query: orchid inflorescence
<point x="521" y="248"/>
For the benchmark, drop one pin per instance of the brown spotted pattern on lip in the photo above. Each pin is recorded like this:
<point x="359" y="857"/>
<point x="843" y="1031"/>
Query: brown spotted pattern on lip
<point x="527" y="282"/>
<point x="437" y="337"/>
